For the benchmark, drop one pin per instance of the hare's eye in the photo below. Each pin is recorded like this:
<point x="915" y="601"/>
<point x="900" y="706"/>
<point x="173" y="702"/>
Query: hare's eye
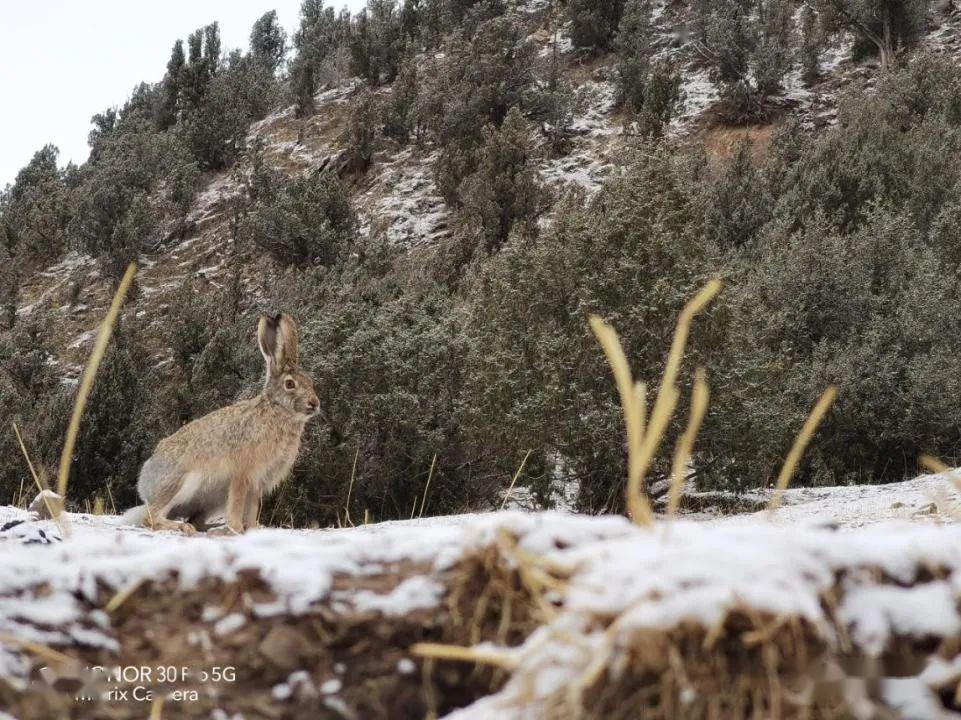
<point x="290" y="383"/>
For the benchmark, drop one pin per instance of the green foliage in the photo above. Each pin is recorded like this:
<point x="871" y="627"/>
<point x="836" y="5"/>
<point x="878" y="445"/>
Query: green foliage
<point x="537" y="379"/>
<point x="35" y="209"/>
<point x="268" y="42"/>
<point x="812" y="39"/>
<point x="739" y="201"/>
<point x="873" y="311"/>
<point x="113" y="441"/>
<point x="883" y="25"/>
<point x="594" y="22"/>
<point x="361" y="132"/>
<point x="376" y="42"/>
<point x="322" y="35"/>
<point x="649" y="90"/>
<point x="399" y="113"/>
<point x="748" y="44"/>
<point x="852" y="281"/>
<point x="242" y="92"/>
<point x="475" y="83"/>
<point x="503" y="193"/>
<point x="170" y="107"/>
<point x="304" y="220"/>
<point x="114" y="214"/>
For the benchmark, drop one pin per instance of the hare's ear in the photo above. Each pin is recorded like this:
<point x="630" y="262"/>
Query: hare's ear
<point x="267" y="340"/>
<point x="288" y="342"/>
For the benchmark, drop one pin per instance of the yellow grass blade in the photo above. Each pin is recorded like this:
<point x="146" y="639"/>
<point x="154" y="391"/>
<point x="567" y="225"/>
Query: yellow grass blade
<point x="483" y="656"/>
<point x="86" y="381"/>
<point x="632" y="398"/>
<point x="685" y="446"/>
<point x="123" y="595"/>
<point x="156" y="710"/>
<point x="514" y="481"/>
<point x="353" y="474"/>
<point x="41" y="651"/>
<point x="430" y="474"/>
<point x="800" y="443"/>
<point x="36" y="478"/>
<point x="933" y="464"/>
<point x="644" y="435"/>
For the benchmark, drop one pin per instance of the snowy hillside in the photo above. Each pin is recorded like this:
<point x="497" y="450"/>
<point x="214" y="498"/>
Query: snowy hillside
<point x="575" y="614"/>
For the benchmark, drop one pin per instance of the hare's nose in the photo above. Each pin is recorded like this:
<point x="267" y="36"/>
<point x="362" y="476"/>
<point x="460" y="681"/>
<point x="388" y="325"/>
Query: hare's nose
<point x="313" y="404"/>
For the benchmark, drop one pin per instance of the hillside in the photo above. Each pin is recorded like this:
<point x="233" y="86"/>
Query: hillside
<point x="442" y="200"/>
<point x="397" y="198"/>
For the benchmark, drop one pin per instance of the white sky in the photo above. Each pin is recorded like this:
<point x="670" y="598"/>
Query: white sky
<point x="62" y="61"/>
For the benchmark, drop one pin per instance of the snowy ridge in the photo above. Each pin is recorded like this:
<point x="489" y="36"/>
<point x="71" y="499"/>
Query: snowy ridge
<point x="894" y="581"/>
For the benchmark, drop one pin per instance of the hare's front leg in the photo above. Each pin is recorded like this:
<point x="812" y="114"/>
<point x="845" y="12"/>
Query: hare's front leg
<point x="252" y="510"/>
<point x="237" y="503"/>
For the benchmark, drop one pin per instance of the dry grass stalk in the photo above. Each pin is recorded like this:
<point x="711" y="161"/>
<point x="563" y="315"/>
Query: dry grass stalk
<point x="520" y="469"/>
<point x="818" y="412"/>
<point x="41" y="651"/>
<point x="156" y="710"/>
<point x="643" y="438"/>
<point x="933" y="464"/>
<point x="41" y="486"/>
<point x="350" y="487"/>
<point x="123" y="595"/>
<point x="632" y="406"/>
<point x="430" y="475"/>
<point x="478" y="655"/>
<point x="86" y="381"/>
<point x="685" y="447"/>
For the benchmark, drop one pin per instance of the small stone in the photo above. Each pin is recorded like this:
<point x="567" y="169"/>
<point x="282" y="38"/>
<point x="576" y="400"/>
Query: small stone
<point x="45" y="502"/>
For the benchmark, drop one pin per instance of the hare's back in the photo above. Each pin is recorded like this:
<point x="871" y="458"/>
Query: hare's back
<point x="225" y="431"/>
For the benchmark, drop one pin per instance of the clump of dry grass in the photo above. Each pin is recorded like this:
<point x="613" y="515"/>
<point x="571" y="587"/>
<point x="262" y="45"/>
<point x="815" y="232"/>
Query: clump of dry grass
<point x="644" y="435"/>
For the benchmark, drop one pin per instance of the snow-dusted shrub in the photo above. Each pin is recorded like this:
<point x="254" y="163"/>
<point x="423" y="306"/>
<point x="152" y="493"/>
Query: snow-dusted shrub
<point x="242" y="92"/>
<point x="748" y="46"/>
<point x="872" y="310"/>
<point x="503" y="193"/>
<point x="115" y="436"/>
<point x="304" y="220"/>
<point x="650" y="90"/>
<point x="633" y="255"/>
<point x="34" y="210"/>
<point x="851" y="282"/>
<point x="479" y="78"/>
<point x="594" y="22"/>
<point x="881" y="26"/>
<point x="134" y="176"/>
<point x="361" y="132"/>
<point x="387" y="355"/>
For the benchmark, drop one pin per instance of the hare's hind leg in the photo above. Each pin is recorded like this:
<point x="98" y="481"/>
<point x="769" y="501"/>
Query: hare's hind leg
<point x="162" y="485"/>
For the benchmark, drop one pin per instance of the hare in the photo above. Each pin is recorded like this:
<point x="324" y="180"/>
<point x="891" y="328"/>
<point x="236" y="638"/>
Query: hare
<point x="225" y="462"/>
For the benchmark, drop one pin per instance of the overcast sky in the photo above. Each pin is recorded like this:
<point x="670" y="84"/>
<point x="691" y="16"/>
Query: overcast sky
<point x="62" y="61"/>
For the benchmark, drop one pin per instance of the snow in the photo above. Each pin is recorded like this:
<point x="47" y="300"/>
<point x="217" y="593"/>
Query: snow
<point x="679" y="573"/>
<point x="403" y="201"/>
<point x="853" y="506"/>
<point x="229" y="624"/>
<point x="416" y="593"/>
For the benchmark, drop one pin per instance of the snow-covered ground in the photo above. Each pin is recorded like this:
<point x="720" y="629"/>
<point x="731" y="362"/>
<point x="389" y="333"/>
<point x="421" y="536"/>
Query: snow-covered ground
<point x="618" y="580"/>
